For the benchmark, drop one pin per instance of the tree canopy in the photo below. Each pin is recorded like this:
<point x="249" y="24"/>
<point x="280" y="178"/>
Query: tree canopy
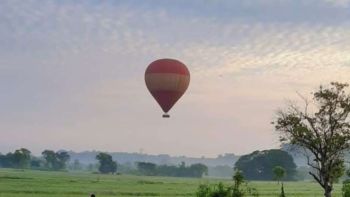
<point x="55" y="160"/>
<point x="107" y="165"/>
<point x="259" y="164"/>
<point x="19" y="159"/>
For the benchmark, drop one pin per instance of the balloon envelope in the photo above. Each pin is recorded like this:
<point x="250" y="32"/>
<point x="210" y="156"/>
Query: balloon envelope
<point x="167" y="80"/>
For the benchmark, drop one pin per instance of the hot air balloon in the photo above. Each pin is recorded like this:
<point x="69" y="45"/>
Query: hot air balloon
<point x="167" y="80"/>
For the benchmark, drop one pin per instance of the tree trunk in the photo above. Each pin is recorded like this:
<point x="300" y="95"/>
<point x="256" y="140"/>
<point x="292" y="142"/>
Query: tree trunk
<point x="328" y="191"/>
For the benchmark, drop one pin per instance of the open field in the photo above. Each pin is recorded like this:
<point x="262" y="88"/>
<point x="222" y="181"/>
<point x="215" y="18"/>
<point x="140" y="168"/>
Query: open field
<point x="27" y="183"/>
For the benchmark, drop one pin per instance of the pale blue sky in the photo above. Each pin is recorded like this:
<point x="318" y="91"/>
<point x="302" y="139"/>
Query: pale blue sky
<point x="71" y="72"/>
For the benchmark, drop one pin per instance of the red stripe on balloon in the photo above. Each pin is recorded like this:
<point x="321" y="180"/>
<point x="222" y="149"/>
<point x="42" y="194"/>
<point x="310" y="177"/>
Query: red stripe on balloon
<point x="166" y="99"/>
<point x="167" y="66"/>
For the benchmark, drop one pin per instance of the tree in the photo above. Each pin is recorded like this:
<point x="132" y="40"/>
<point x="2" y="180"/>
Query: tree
<point x="279" y="173"/>
<point x="55" y="160"/>
<point x="147" y="168"/>
<point x="6" y="160"/>
<point x="151" y="169"/>
<point x="50" y="158"/>
<point x="182" y="170"/>
<point x="61" y="159"/>
<point x="323" y="132"/>
<point x="259" y="164"/>
<point x="36" y="163"/>
<point x="107" y="165"/>
<point x="21" y="158"/>
<point x="240" y="187"/>
<point x="198" y="170"/>
<point x="238" y="180"/>
<point x="282" y="191"/>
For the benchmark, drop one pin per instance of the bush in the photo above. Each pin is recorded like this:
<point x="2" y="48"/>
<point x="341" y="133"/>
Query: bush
<point x="239" y="189"/>
<point x="221" y="191"/>
<point x="203" y="191"/>
<point x="346" y="188"/>
<point x="218" y="190"/>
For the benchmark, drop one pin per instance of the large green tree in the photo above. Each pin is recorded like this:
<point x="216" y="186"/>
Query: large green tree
<point x="320" y="127"/>
<point x="259" y="164"/>
<point x="107" y="165"/>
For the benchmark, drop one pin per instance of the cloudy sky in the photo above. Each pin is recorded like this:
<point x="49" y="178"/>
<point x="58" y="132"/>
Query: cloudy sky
<point x="72" y="72"/>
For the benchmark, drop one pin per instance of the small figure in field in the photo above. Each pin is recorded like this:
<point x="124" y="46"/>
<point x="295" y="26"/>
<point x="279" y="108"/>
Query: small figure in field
<point x="92" y="195"/>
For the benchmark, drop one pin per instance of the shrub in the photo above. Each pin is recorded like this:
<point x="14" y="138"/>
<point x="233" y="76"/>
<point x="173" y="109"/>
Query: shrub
<point x="203" y="191"/>
<point x="346" y="188"/>
<point x="239" y="189"/>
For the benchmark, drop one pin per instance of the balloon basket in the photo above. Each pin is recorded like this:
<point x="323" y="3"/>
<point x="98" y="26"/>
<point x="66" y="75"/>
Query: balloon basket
<point x="166" y="116"/>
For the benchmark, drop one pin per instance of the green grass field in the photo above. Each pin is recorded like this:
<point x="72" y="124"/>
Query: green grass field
<point x="28" y="183"/>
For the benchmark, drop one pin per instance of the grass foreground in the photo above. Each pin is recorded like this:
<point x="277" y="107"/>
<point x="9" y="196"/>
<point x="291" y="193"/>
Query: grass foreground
<point x="30" y="183"/>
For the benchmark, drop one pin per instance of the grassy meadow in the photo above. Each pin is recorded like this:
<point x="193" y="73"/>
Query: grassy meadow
<point x="28" y="183"/>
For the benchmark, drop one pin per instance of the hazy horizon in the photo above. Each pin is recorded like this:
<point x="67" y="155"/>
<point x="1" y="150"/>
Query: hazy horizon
<point x="72" y="72"/>
<point x="140" y="152"/>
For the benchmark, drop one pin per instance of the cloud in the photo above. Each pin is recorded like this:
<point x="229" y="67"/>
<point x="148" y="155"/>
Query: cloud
<point x="340" y="3"/>
<point x="75" y="68"/>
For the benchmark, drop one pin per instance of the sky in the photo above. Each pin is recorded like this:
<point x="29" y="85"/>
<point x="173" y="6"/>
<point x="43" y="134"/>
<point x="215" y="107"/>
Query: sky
<point x="72" y="72"/>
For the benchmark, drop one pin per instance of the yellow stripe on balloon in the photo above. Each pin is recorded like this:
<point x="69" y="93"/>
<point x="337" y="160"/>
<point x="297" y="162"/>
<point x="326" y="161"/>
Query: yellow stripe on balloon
<point x="167" y="82"/>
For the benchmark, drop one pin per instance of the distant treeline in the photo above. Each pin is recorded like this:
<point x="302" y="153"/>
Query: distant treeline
<point x="151" y="169"/>
<point x="87" y="157"/>
<point x="51" y="160"/>
<point x="22" y="158"/>
<point x="255" y="166"/>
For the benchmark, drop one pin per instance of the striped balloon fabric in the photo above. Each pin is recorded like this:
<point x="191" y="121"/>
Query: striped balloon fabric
<point x="167" y="80"/>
